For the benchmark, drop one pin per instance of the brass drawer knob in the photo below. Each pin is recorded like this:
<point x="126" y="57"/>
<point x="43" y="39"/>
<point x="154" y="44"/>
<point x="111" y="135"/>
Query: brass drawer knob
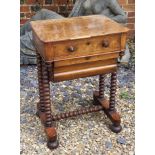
<point x="105" y="43"/>
<point x="71" y="49"/>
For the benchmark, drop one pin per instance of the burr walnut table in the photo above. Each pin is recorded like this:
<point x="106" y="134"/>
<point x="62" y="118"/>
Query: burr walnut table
<point x="75" y="48"/>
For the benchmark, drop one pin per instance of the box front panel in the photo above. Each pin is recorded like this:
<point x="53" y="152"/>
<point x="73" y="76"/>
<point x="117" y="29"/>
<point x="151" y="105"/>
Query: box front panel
<point x="85" y="47"/>
<point x="86" y="59"/>
<point x="80" y="70"/>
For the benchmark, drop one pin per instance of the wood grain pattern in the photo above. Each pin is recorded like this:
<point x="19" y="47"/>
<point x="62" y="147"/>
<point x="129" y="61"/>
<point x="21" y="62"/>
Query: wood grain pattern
<point x="86" y="47"/>
<point x="123" y="41"/>
<point x="76" y="28"/>
<point x="85" y="65"/>
<point x="81" y="71"/>
<point x="57" y="39"/>
<point x="75" y="48"/>
<point x="44" y="49"/>
<point x="70" y="75"/>
<point x="85" y="59"/>
<point x="112" y="115"/>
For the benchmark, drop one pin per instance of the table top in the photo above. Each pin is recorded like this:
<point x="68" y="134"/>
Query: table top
<point x="55" y="30"/>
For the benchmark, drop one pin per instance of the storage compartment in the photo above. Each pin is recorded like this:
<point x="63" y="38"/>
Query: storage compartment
<point x="85" y="47"/>
<point x="86" y="59"/>
<point x="84" y="69"/>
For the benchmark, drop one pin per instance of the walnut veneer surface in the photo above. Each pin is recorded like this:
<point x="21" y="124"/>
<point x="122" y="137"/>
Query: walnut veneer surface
<point x="75" y="48"/>
<point x="85" y="35"/>
<point x="75" y="28"/>
<point x="89" y="44"/>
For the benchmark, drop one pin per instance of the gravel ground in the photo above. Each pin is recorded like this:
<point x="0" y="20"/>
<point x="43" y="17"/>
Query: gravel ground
<point x="82" y="135"/>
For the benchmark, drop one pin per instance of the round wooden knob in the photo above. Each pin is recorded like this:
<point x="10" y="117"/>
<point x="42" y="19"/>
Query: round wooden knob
<point x="71" y="49"/>
<point x="105" y="43"/>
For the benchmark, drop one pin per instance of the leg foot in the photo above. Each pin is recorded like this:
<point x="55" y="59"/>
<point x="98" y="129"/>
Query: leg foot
<point x="46" y="116"/>
<point x="116" y="121"/>
<point x="52" y="144"/>
<point x="44" y="105"/>
<point x="112" y="115"/>
<point x="37" y="114"/>
<point x="115" y="128"/>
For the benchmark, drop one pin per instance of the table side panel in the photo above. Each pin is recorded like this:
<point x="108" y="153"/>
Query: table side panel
<point x="44" y="49"/>
<point x="38" y="45"/>
<point x="123" y="41"/>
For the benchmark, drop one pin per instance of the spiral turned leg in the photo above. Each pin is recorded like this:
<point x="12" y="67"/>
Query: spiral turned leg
<point x="40" y="105"/>
<point x="115" y="118"/>
<point x="101" y="86"/>
<point x="99" y="95"/>
<point x="49" y="129"/>
<point x="108" y="105"/>
<point x="113" y="91"/>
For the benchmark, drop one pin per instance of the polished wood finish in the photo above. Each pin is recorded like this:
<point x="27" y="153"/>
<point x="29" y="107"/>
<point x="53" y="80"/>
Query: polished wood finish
<point x="84" y="70"/>
<point x="86" y="35"/>
<point x="77" y="112"/>
<point x="56" y="30"/>
<point x="73" y="74"/>
<point x="101" y="86"/>
<point x="44" y="105"/>
<point x="91" y="46"/>
<point x="86" y="59"/>
<point x="113" y="91"/>
<point x="112" y="115"/>
<point x="75" y="48"/>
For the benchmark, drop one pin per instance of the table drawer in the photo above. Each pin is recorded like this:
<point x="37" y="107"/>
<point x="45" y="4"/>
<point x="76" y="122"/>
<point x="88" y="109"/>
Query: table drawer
<point x="86" y="59"/>
<point x="85" y="47"/>
<point x="84" y="69"/>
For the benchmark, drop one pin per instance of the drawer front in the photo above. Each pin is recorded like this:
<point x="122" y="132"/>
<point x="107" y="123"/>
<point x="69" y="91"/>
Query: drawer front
<point x="84" y="47"/>
<point x="86" y="59"/>
<point x="84" y="69"/>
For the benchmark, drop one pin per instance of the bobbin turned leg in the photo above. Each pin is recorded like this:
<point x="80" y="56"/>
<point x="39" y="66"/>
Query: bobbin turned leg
<point x="108" y="106"/>
<point x="99" y="95"/>
<point x="40" y="105"/>
<point x="114" y="116"/>
<point x="49" y="127"/>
